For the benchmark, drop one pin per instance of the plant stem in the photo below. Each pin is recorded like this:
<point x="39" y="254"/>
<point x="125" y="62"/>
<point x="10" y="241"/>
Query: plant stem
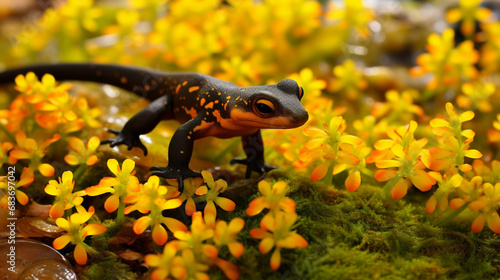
<point x="452" y="215"/>
<point x="120" y="215"/>
<point x="78" y="172"/>
<point x="329" y="174"/>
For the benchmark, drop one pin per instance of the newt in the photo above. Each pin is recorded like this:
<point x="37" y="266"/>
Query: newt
<point x="204" y="105"/>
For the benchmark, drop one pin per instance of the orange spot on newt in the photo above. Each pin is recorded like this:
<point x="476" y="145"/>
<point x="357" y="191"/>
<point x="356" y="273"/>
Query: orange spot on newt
<point x="209" y="105"/>
<point x="191" y="89"/>
<point x="147" y="88"/>
<point x="202" y="101"/>
<point x="192" y="112"/>
<point x="123" y="80"/>
<point x="184" y="83"/>
<point x="178" y="88"/>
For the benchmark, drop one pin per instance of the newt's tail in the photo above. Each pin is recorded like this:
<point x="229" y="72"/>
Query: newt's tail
<point x="143" y="82"/>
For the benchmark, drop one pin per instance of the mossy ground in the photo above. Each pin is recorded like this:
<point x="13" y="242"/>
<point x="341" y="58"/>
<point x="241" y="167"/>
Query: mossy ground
<point x="359" y="235"/>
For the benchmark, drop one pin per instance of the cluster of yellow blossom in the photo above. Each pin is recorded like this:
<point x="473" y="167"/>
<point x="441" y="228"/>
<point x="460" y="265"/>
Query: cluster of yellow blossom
<point x="276" y="226"/>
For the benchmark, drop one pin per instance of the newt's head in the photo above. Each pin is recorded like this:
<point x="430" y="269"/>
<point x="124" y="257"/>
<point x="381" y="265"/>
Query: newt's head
<point x="271" y="106"/>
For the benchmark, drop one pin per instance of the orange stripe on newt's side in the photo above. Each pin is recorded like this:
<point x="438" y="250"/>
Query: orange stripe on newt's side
<point x="191" y="89"/>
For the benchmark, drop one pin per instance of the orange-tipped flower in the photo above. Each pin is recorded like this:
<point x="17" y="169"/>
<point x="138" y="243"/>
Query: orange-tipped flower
<point x="275" y="231"/>
<point x="29" y="148"/>
<point x="488" y="204"/>
<point x="150" y="199"/>
<point x="26" y="179"/>
<point x="167" y="264"/>
<point x="468" y="12"/>
<point x="211" y="194"/>
<point x="125" y="182"/>
<point x="225" y="235"/>
<point x="273" y="198"/>
<point x="77" y="231"/>
<point x="405" y="153"/>
<point x="81" y="153"/>
<point x="63" y="191"/>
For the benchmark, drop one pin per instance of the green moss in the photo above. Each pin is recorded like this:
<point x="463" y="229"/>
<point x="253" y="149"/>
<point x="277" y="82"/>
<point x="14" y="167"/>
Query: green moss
<point x="107" y="267"/>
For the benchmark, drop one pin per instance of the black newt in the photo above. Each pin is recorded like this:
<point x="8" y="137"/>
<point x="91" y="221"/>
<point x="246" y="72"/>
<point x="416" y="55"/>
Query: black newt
<point x="206" y="106"/>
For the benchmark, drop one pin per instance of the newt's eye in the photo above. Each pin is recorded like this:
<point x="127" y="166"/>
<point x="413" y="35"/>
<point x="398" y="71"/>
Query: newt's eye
<point x="301" y="92"/>
<point x="264" y="107"/>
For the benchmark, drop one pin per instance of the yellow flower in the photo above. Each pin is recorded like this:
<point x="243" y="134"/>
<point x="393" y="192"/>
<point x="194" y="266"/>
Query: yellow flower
<point x="81" y="153"/>
<point x="468" y="11"/>
<point x="167" y="264"/>
<point x="150" y="199"/>
<point x="275" y="231"/>
<point x="273" y="198"/>
<point x="349" y="79"/>
<point x="354" y="15"/>
<point x="77" y="231"/>
<point x="488" y="204"/>
<point x="29" y="148"/>
<point x="225" y="235"/>
<point x="447" y="64"/>
<point x="405" y="153"/>
<point x="191" y="186"/>
<point x="195" y="239"/>
<point x="211" y="195"/>
<point x="63" y="191"/>
<point x="119" y="186"/>
<point x="26" y="179"/>
<point x="453" y="149"/>
<point x="329" y="145"/>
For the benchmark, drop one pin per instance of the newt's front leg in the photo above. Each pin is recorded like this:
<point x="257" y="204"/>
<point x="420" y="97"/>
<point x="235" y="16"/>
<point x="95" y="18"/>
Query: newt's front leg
<point x="141" y="123"/>
<point x="179" y="154"/>
<point x="254" y="149"/>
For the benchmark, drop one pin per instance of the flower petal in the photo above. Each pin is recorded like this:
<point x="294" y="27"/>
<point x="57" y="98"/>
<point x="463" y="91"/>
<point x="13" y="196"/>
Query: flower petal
<point x="174" y="225"/>
<point x="353" y="180"/>
<point x="61" y="241"/>
<point x="266" y="245"/>
<point x="225" y="203"/>
<point x="160" y="235"/>
<point x="236" y="249"/>
<point x="478" y="223"/>
<point x="400" y="188"/>
<point x="112" y="203"/>
<point x="141" y="224"/>
<point x="190" y="207"/>
<point x="259" y="233"/>
<point x="80" y="254"/>
<point x="320" y="171"/>
<point x="94" y="229"/>
<point x="494" y="222"/>
<point x="230" y="270"/>
<point x="256" y="206"/>
<point x="46" y="170"/>
<point x="276" y="259"/>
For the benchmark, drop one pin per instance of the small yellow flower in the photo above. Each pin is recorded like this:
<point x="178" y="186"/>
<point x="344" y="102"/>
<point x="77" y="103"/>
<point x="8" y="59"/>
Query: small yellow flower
<point x="63" y="191"/>
<point x="212" y="197"/>
<point x="488" y="204"/>
<point x="77" y="231"/>
<point x="275" y="231"/>
<point x="348" y="79"/>
<point x="82" y="153"/>
<point x="150" y="199"/>
<point x="273" y="198"/>
<point x="167" y="264"/>
<point x="468" y="12"/>
<point x="26" y="179"/>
